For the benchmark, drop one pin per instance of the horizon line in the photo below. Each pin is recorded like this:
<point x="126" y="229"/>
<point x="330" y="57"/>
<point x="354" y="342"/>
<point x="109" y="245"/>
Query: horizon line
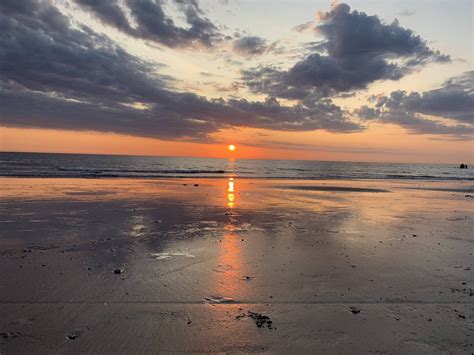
<point x="226" y="158"/>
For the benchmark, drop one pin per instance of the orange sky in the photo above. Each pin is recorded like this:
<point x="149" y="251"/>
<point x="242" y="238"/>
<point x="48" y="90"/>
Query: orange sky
<point x="379" y="143"/>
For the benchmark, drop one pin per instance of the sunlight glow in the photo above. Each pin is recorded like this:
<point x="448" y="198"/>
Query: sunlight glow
<point x="230" y="193"/>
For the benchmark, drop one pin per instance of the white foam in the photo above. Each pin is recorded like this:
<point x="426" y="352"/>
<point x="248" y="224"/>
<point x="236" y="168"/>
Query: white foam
<point x="162" y="256"/>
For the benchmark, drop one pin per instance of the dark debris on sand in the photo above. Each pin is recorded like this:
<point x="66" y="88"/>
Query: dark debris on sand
<point x="72" y="336"/>
<point x="7" y="336"/>
<point x="355" y="310"/>
<point x="260" y="320"/>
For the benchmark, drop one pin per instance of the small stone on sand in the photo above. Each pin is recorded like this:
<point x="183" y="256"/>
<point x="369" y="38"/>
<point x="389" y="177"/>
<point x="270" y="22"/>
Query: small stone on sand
<point x="355" y="310"/>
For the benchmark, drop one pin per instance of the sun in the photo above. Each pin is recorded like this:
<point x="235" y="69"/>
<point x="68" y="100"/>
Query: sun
<point x="231" y="147"/>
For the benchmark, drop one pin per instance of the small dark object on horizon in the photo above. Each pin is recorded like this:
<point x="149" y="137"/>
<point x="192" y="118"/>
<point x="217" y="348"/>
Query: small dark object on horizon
<point x="196" y="184"/>
<point x="118" y="271"/>
<point x="463" y="166"/>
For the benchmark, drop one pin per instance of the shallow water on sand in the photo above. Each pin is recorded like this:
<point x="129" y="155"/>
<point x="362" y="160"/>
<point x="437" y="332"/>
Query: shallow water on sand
<point x="328" y="262"/>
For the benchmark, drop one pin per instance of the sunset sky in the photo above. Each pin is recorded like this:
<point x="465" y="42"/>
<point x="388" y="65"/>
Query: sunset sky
<point x="361" y="81"/>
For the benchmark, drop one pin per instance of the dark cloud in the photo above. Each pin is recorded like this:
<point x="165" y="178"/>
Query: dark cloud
<point x="152" y="23"/>
<point x="416" y="124"/>
<point x="40" y="52"/>
<point x="271" y="115"/>
<point x="250" y="46"/>
<point x="53" y="75"/>
<point x="209" y="75"/>
<point x="454" y="100"/>
<point x="304" y="27"/>
<point x="358" y="50"/>
<point x="368" y="113"/>
<point x="108" y="11"/>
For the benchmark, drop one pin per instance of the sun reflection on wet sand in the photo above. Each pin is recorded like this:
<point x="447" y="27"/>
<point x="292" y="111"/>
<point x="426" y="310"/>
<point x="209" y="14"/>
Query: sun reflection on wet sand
<point x="229" y="274"/>
<point x="231" y="193"/>
<point x="228" y="281"/>
<point x="231" y="183"/>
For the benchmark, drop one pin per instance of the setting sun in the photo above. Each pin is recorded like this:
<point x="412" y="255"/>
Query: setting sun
<point x="231" y="147"/>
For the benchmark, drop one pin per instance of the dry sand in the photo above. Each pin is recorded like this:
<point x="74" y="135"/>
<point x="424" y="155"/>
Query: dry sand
<point x="163" y="265"/>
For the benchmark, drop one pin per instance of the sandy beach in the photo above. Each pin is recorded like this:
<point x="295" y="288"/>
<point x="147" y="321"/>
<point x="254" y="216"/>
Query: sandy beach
<point x="236" y="265"/>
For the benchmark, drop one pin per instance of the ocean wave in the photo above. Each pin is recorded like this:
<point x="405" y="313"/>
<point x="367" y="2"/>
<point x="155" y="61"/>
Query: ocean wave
<point x="95" y="166"/>
<point x="294" y="169"/>
<point x="112" y="174"/>
<point x="141" y="171"/>
<point x="224" y="175"/>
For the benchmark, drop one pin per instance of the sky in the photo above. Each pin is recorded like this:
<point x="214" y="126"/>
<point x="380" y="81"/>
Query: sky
<point x="388" y="81"/>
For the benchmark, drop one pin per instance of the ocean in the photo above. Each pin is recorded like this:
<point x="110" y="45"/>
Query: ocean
<point x="45" y="165"/>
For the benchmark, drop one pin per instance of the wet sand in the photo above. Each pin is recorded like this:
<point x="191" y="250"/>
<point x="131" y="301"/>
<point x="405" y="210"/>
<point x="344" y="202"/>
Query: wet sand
<point x="116" y="265"/>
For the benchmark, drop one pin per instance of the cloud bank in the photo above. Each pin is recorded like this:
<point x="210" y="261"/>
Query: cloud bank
<point x="250" y="45"/>
<point x="453" y="101"/>
<point x="152" y="23"/>
<point x="357" y="50"/>
<point x="54" y="75"/>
